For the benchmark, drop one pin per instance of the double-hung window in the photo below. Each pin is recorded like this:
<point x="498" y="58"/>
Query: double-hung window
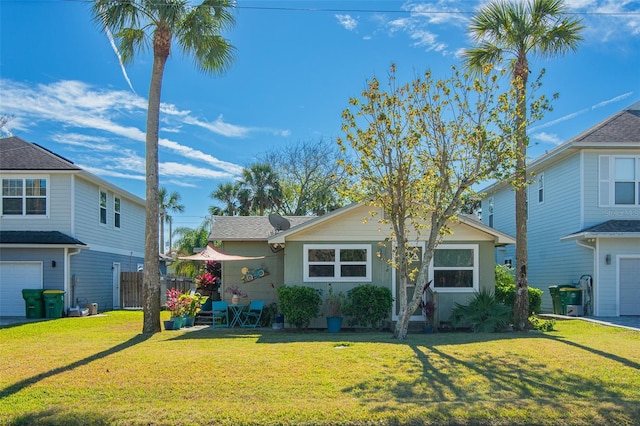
<point x="117" y="205"/>
<point x="24" y="197"/>
<point x="454" y="268"/>
<point x="337" y="262"/>
<point x="103" y="207"/>
<point x="619" y="179"/>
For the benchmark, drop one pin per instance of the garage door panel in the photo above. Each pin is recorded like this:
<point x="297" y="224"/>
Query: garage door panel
<point x="14" y="277"/>
<point x="629" y="286"/>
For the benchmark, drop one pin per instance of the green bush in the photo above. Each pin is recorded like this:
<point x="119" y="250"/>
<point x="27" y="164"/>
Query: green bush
<point x="484" y="313"/>
<point x="268" y="315"/>
<point x="368" y="305"/>
<point x="299" y="304"/>
<point x="506" y="289"/>
<point x="542" y="324"/>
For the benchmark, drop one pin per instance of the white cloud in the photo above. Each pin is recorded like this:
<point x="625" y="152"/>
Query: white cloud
<point x="346" y="21"/>
<point x="547" y="138"/>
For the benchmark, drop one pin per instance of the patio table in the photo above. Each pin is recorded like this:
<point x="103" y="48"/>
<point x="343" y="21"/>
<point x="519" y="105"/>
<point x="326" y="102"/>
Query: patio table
<point x="236" y="312"/>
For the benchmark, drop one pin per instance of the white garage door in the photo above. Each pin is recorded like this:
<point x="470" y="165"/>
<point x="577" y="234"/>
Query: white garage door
<point x="15" y="276"/>
<point x="629" y="286"/>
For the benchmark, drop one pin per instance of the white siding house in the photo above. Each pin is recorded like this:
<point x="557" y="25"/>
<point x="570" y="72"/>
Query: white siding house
<point x="57" y="234"/>
<point x="583" y="214"/>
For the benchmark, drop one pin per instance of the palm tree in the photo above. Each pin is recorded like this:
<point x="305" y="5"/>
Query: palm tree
<point x="263" y="185"/>
<point x="229" y="194"/>
<point x="137" y="25"/>
<point x="190" y="239"/>
<point x="516" y="29"/>
<point x="170" y="204"/>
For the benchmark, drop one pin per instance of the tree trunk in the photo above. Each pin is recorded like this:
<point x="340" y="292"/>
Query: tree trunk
<point x="521" y="304"/>
<point x="151" y="277"/>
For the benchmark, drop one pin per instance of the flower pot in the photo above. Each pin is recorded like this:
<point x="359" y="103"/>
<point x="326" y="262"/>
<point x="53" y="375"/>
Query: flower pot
<point x="178" y="323"/>
<point x="334" y="324"/>
<point x="168" y="325"/>
<point x="235" y="299"/>
<point x="189" y="321"/>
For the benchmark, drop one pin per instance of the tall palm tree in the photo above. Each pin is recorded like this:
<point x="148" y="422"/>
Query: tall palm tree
<point x="514" y="30"/>
<point x="263" y="185"/>
<point x="196" y="30"/>
<point x="229" y="194"/>
<point x="168" y="204"/>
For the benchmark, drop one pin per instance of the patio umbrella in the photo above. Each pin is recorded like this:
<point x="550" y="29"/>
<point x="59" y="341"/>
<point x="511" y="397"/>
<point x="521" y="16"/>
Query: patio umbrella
<point x="217" y="255"/>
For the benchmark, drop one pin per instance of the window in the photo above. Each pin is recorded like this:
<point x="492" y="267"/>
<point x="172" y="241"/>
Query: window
<point x="626" y="181"/>
<point x="24" y="197"/>
<point x="619" y="181"/>
<point x="540" y="188"/>
<point x="455" y="267"/>
<point x="491" y="212"/>
<point x="116" y="212"/>
<point x="103" y="207"/>
<point x="348" y="262"/>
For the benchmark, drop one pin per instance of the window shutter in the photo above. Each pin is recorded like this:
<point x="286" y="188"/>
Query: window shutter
<point x="604" y="175"/>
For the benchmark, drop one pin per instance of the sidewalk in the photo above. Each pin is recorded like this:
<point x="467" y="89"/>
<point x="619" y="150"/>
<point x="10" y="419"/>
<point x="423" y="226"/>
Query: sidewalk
<point x="629" y="322"/>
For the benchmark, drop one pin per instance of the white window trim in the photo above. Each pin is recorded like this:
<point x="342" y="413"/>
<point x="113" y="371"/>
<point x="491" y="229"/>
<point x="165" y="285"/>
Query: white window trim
<point x="106" y="207"/>
<point x="337" y="263"/>
<point x="24" y="214"/>
<point x="476" y="269"/>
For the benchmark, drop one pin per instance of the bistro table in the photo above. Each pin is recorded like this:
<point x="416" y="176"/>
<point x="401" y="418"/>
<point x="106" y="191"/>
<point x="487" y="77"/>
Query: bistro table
<point x="236" y="312"/>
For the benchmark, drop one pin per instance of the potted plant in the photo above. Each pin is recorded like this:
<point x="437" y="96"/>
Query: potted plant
<point x="236" y="294"/>
<point x="206" y="282"/>
<point x="176" y="306"/>
<point x="192" y="305"/>
<point x="428" y="308"/>
<point x="333" y="310"/>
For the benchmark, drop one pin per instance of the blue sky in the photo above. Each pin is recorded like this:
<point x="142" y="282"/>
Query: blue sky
<point x="297" y="64"/>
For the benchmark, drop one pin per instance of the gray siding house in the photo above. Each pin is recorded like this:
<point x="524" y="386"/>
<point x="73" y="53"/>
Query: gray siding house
<point x="312" y="252"/>
<point x="583" y="215"/>
<point x="62" y="228"/>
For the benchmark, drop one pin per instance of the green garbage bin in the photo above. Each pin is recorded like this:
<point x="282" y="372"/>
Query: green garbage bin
<point x="34" y="307"/>
<point x="570" y="296"/>
<point x="555" y="299"/>
<point x="53" y="303"/>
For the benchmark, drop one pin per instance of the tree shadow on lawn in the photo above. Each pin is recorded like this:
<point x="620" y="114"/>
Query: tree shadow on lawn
<point x="17" y="387"/>
<point x="452" y="389"/>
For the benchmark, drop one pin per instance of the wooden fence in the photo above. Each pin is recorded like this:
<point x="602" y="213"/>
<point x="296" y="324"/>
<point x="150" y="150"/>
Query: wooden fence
<point x="131" y="288"/>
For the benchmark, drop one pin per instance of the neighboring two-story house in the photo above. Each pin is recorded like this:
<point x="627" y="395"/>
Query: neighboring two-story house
<point x="63" y="228"/>
<point x="583" y="211"/>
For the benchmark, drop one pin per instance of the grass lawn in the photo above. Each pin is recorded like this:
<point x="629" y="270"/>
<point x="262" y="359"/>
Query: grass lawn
<point x="101" y="371"/>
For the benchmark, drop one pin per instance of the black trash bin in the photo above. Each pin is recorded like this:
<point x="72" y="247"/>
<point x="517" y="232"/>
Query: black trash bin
<point x="34" y="307"/>
<point x="53" y="303"/>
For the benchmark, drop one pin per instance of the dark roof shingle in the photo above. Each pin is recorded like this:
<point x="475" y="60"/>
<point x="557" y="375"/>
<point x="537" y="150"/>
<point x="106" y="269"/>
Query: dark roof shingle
<point x="18" y="154"/>
<point x="38" y="237"/>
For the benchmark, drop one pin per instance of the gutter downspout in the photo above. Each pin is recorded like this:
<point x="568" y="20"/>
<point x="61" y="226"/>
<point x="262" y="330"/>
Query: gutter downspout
<point x="596" y="274"/>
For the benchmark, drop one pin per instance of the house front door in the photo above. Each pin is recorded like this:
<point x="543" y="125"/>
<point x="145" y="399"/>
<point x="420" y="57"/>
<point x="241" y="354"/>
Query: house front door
<point x="629" y="273"/>
<point x="116" y="285"/>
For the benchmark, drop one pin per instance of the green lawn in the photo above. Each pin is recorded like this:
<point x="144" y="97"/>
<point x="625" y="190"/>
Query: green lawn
<point x="100" y="370"/>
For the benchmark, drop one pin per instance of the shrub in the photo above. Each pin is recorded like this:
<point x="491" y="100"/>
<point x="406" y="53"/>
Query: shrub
<point x="542" y="324"/>
<point x="368" y="305"/>
<point x="299" y="304"/>
<point x="483" y="314"/>
<point x="506" y="289"/>
<point x="269" y="315"/>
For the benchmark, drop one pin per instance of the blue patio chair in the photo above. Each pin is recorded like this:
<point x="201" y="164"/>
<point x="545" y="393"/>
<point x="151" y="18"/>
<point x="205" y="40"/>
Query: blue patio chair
<point x="220" y="312"/>
<point x="251" y="317"/>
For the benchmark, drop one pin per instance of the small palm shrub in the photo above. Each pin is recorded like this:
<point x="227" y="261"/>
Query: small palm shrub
<point x="299" y="304"/>
<point x="368" y="305"/>
<point x="484" y="313"/>
<point x="506" y="289"/>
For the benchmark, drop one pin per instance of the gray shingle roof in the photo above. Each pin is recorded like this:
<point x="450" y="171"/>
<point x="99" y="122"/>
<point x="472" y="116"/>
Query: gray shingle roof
<point x="37" y="237"/>
<point x="620" y="128"/>
<point x="18" y="154"/>
<point x="244" y="228"/>
<point x="609" y="229"/>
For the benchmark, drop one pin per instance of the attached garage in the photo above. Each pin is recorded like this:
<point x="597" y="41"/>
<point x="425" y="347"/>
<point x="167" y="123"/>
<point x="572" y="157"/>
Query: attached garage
<point x="14" y="277"/>
<point x="629" y="280"/>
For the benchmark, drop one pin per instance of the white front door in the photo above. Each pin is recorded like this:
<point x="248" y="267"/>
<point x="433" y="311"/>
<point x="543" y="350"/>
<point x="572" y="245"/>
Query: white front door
<point x="629" y="276"/>
<point x="116" y="285"/>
